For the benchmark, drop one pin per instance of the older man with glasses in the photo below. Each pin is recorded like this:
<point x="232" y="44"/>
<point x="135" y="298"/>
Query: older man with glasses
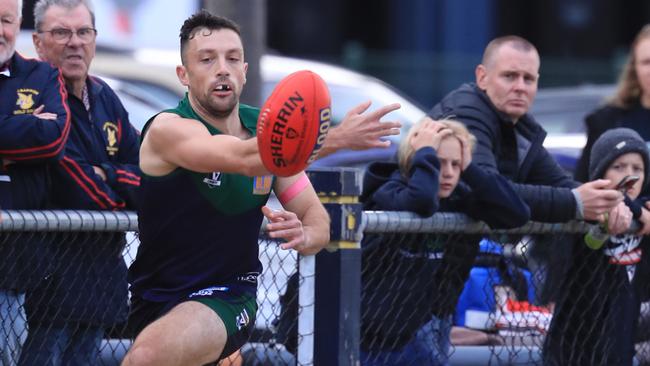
<point x="70" y="311"/>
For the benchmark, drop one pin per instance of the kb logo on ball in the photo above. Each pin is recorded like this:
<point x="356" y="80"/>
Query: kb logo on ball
<point x="325" y="122"/>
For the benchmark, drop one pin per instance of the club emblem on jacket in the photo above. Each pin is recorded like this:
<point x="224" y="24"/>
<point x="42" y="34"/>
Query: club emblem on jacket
<point x="111" y="137"/>
<point x="26" y="99"/>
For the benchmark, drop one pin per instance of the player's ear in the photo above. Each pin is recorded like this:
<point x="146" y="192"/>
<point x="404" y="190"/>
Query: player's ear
<point x="181" y="73"/>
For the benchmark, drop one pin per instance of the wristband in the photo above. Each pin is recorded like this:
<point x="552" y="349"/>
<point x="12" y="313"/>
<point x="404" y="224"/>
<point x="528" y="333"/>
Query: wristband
<point x="294" y="189"/>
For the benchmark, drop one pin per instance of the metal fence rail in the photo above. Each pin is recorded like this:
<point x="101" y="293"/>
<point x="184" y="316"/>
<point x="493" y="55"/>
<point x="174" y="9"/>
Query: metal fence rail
<point x="443" y="222"/>
<point x="525" y="278"/>
<point x="67" y="220"/>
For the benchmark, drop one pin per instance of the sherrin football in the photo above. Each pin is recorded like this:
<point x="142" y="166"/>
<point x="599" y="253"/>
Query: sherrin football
<point x="293" y="123"/>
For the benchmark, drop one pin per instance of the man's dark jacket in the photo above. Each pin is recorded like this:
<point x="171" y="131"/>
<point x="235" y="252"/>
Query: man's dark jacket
<point x="515" y="151"/>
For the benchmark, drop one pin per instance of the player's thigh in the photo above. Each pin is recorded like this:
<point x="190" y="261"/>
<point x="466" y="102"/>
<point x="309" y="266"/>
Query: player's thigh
<point x="190" y="332"/>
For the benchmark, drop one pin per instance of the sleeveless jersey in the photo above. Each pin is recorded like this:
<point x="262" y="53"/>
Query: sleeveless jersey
<point x="198" y="229"/>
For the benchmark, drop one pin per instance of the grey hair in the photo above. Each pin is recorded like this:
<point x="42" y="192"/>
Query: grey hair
<point x="42" y="5"/>
<point x="20" y="8"/>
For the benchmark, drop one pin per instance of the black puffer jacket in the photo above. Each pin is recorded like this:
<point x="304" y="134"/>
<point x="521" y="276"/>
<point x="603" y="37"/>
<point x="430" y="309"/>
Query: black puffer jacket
<point x="513" y="150"/>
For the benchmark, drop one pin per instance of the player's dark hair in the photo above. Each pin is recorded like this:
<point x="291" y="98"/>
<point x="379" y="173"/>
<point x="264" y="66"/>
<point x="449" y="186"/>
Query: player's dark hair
<point x="206" y="22"/>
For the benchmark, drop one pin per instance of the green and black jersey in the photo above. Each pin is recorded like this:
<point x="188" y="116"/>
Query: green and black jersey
<point x="198" y="229"/>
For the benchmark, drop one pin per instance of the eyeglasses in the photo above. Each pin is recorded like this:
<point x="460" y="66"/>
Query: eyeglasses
<point x="63" y="35"/>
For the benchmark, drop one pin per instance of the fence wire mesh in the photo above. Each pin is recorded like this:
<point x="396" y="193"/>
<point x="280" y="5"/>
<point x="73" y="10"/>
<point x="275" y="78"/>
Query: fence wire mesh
<point x="444" y="290"/>
<point x="433" y="290"/>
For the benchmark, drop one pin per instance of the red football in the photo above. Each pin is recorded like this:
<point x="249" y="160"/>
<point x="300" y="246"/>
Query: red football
<point x="293" y="123"/>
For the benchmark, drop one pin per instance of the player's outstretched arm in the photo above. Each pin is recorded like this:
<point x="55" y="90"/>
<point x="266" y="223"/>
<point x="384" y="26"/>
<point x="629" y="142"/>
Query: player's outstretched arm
<point x="172" y="141"/>
<point x="360" y="130"/>
<point x="305" y="223"/>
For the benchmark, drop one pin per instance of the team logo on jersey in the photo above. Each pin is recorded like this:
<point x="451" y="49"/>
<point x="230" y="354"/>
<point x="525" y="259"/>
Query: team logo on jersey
<point x="242" y="319"/>
<point x="25" y="101"/>
<point x="262" y="185"/>
<point x="208" y="291"/>
<point x="213" y="179"/>
<point x="250" y="277"/>
<point x="111" y="131"/>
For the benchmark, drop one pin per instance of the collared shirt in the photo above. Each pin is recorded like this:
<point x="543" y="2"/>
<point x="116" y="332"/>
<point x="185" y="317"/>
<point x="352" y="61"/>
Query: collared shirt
<point x="85" y="98"/>
<point x="4" y="69"/>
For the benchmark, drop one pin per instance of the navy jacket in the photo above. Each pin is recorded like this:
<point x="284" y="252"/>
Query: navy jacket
<point x="30" y="143"/>
<point x="25" y="138"/>
<point x="89" y="283"/>
<point x="406" y="278"/>
<point x="106" y="138"/>
<point x="515" y="151"/>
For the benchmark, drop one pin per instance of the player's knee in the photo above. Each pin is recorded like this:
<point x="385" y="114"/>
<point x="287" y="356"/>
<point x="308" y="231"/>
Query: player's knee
<point x="141" y="355"/>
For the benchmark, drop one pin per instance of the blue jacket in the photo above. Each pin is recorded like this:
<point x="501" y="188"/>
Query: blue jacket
<point x="31" y="143"/>
<point x="406" y="278"/>
<point x="89" y="283"/>
<point x="513" y="150"/>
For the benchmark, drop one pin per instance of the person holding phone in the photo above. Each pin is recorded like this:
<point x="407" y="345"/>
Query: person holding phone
<point x="605" y="286"/>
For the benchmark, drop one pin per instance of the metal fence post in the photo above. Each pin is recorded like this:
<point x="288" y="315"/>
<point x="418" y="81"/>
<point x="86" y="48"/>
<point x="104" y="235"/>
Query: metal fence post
<point x="338" y="269"/>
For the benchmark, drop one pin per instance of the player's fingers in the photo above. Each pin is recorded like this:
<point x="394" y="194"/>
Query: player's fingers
<point x="268" y="212"/>
<point x="293" y="244"/>
<point x="380" y="143"/>
<point x="287" y="216"/>
<point x="273" y="216"/>
<point x="388" y="125"/>
<point x="377" y="114"/>
<point x="359" y="108"/>
<point x="39" y="109"/>
<point x="287" y="234"/>
<point x="390" y="131"/>
<point x="282" y="224"/>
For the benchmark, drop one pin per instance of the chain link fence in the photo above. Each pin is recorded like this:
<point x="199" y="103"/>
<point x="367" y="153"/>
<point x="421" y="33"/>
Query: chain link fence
<point x="449" y="289"/>
<point x="468" y="294"/>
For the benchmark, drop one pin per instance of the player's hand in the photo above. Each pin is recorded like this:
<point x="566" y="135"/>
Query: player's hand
<point x="285" y="225"/>
<point x="597" y="199"/>
<point x="619" y="219"/>
<point x="359" y="131"/>
<point x="38" y="112"/>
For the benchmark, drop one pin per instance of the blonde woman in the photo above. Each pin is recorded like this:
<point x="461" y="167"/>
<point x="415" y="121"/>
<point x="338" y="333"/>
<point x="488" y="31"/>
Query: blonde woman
<point x="629" y="107"/>
<point x="410" y="284"/>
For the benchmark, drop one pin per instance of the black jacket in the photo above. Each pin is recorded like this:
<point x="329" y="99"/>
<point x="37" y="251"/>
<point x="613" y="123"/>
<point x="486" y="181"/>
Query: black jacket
<point x="535" y="174"/>
<point x="404" y="275"/>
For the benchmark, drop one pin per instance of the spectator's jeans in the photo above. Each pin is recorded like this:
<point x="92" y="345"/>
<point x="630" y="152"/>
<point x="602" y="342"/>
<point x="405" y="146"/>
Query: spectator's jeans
<point x="12" y="326"/>
<point x="430" y="346"/>
<point x="71" y="345"/>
